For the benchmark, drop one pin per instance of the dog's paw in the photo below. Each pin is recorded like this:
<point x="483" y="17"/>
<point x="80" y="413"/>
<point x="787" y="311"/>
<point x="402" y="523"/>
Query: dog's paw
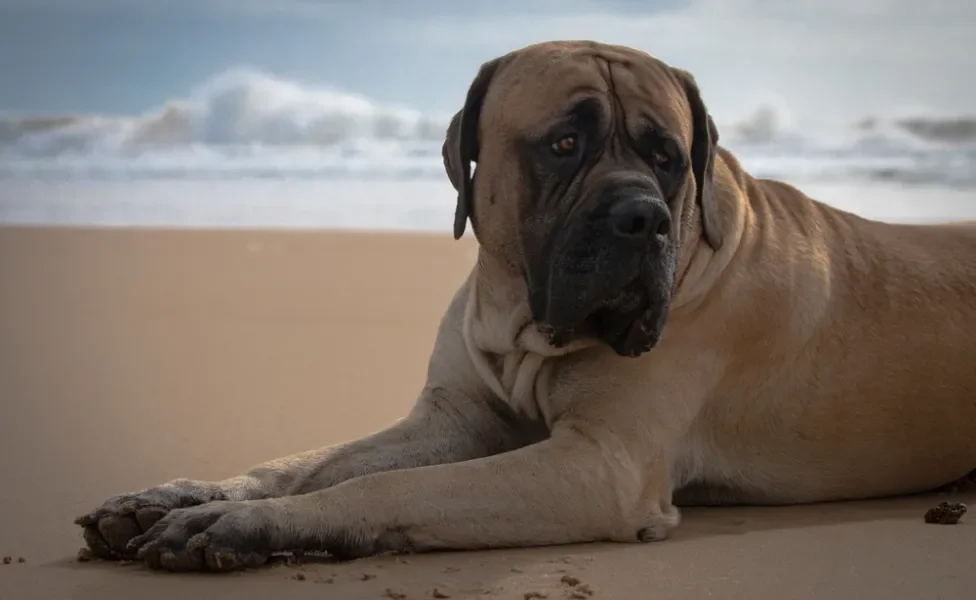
<point x="659" y="524"/>
<point x="109" y="528"/>
<point x="219" y="536"/>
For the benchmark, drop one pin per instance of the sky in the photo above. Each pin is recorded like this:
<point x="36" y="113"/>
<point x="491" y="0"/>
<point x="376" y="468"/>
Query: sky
<point x="850" y="57"/>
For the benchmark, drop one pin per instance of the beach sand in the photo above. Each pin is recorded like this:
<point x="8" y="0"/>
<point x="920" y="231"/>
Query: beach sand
<point x="129" y="357"/>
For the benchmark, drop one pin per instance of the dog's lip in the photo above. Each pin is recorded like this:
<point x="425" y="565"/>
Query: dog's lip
<point x="622" y="341"/>
<point x="579" y="318"/>
<point x="563" y="333"/>
<point x="616" y="320"/>
<point x="626" y="344"/>
<point x="556" y="337"/>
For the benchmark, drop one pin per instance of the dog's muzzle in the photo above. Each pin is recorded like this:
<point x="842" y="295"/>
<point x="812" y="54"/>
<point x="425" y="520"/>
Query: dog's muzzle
<point x="609" y="271"/>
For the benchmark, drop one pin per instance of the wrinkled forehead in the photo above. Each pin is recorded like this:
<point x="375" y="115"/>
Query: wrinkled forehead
<point x="539" y="86"/>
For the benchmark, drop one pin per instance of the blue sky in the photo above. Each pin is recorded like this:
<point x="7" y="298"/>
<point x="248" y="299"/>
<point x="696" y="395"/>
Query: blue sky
<point x="853" y="57"/>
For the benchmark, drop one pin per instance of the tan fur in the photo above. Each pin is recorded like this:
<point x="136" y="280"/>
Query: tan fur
<point x="813" y="356"/>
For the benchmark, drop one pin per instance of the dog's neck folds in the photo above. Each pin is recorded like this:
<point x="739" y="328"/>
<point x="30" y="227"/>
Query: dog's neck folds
<point x="510" y="354"/>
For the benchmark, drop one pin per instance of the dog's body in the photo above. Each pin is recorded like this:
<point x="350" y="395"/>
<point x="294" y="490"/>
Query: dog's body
<point x="808" y="354"/>
<point x="844" y="356"/>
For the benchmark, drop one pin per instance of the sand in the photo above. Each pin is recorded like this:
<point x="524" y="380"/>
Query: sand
<point x="129" y="357"/>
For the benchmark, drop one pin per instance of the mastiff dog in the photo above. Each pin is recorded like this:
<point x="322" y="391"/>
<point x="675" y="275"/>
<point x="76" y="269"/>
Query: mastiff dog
<point x="647" y="326"/>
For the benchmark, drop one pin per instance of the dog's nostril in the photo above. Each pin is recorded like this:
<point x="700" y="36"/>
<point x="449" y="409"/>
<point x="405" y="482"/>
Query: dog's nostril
<point x="632" y="225"/>
<point x="639" y="219"/>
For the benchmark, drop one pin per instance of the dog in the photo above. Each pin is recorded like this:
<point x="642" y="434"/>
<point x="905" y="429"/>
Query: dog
<point x="647" y="326"/>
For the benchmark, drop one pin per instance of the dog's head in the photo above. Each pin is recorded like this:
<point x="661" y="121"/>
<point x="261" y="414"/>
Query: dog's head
<point x="593" y="167"/>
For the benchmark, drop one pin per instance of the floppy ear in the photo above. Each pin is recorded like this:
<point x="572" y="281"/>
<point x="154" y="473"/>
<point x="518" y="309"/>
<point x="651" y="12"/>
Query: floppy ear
<point x="704" y="142"/>
<point x="460" y="147"/>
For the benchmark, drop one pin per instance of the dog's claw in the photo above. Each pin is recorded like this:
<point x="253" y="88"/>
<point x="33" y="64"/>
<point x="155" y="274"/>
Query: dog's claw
<point x="96" y="544"/>
<point x="141" y="551"/>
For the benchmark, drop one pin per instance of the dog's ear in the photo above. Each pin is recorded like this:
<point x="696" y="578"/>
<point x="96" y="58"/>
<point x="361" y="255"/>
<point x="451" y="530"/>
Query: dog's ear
<point x="704" y="142"/>
<point x="461" y="145"/>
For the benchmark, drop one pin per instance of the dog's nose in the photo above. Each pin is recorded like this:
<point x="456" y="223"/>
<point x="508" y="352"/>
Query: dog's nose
<point x="639" y="219"/>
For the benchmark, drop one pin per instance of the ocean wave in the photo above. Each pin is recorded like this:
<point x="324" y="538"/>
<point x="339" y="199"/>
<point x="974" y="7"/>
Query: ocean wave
<point x="239" y="108"/>
<point x="246" y="123"/>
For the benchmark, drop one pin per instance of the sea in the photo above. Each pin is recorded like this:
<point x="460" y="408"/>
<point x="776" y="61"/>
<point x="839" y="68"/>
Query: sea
<point x="250" y="149"/>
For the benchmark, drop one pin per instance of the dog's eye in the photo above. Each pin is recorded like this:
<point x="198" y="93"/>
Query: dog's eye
<point x="659" y="150"/>
<point x="661" y="160"/>
<point x="564" y="146"/>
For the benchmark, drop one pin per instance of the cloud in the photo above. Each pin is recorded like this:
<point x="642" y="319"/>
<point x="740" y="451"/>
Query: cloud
<point x="376" y="9"/>
<point x="832" y="12"/>
<point x="799" y="28"/>
<point x="854" y="55"/>
<point x="422" y="9"/>
<point x="885" y="10"/>
<point x="226" y="8"/>
<point x="849" y="53"/>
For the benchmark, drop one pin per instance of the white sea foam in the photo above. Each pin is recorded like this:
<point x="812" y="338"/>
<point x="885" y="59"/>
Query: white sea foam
<point x="417" y="205"/>
<point x="248" y="124"/>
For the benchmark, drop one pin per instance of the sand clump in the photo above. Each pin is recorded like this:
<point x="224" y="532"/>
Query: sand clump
<point x="946" y="513"/>
<point x="579" y="590"/>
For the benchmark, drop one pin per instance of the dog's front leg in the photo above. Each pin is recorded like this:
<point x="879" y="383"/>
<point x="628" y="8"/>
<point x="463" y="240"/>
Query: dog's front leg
<point x="454" y="419"/>
<point x="438" y="430"/>
<point x="572" y="487"/>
